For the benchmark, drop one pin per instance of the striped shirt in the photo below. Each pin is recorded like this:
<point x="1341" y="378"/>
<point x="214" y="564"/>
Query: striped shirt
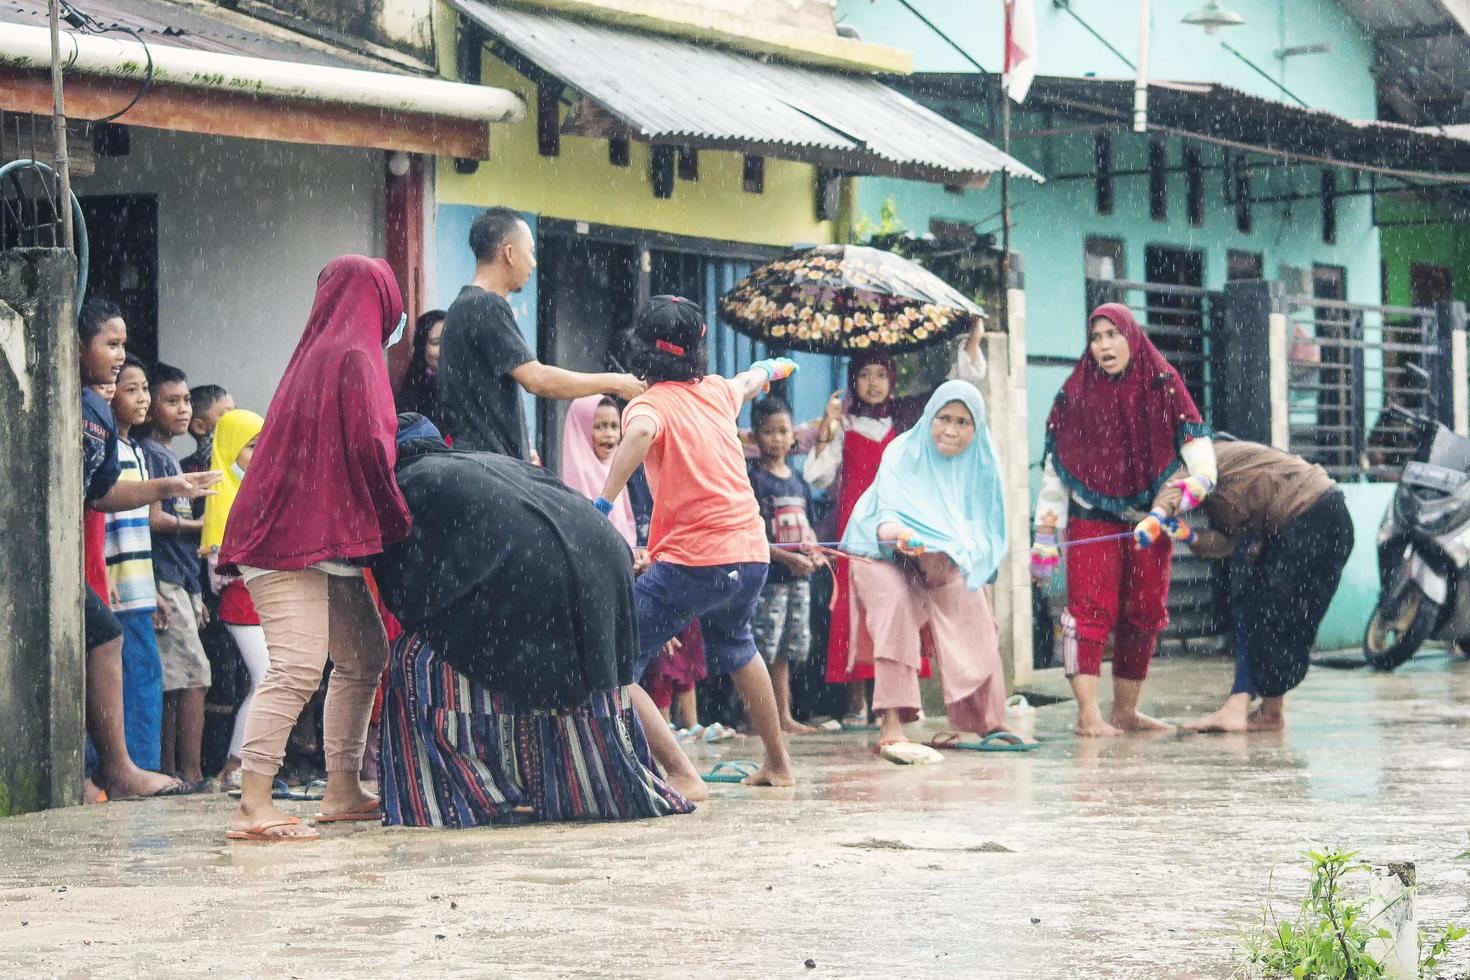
<point x="129" y="544"/>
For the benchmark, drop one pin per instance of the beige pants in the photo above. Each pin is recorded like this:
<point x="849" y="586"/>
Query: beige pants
<point x="305" y="614"/>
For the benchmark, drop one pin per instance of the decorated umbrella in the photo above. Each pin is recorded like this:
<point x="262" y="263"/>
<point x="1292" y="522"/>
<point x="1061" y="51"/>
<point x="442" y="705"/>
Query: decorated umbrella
<point x="835" y="299"/>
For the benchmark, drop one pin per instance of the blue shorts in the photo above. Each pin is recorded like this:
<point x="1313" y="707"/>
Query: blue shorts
<point x="142" y="688"/>
<point x="721" y="597"/>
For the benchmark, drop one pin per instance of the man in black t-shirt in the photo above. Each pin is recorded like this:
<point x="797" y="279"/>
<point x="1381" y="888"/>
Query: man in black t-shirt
<point x="484" y="362"/>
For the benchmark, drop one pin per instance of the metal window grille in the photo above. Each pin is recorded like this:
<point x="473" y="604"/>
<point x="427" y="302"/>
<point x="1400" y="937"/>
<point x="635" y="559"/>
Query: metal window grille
<point x="1347" y="362"/>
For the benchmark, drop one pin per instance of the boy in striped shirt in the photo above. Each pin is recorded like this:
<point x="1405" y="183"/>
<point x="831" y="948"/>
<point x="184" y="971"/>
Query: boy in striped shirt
<point x="130" y="577"/>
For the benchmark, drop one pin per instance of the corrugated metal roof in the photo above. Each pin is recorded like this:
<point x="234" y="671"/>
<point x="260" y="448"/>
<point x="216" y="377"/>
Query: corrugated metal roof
<point x="1423" y="56"/>
<point x="187" y="26"/>
<point x="670" y="91"/>
<point x="1221" y="112"/>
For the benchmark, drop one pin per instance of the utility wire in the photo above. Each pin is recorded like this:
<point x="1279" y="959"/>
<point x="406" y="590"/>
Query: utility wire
<point x="1265" y="74"/>
<point x="943" y="36"/>
<point x="82" y="21"/>
<point x="1066" y="7"/>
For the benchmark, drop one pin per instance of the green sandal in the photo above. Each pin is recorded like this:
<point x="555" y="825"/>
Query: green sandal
<point x="731" y="771"/>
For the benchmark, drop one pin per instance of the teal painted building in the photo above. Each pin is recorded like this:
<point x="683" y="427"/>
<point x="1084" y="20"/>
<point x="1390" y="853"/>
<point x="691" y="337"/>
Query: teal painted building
<point x="1173" y="214"/>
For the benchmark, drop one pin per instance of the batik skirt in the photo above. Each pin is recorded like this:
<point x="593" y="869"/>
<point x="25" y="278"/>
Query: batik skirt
<point x="455" y="754"/>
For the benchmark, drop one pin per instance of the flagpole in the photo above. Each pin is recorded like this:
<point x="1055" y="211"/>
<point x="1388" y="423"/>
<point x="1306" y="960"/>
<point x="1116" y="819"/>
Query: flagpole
<point x="1005" y="211"/>
<point x="1005" y="184"/>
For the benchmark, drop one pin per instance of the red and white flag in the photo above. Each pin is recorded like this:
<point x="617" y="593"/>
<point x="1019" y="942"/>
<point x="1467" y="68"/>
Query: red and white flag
<point x="1020" y="59"/>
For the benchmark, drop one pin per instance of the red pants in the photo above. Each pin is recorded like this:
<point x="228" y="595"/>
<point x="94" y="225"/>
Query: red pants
<point x="1113" y="588"/>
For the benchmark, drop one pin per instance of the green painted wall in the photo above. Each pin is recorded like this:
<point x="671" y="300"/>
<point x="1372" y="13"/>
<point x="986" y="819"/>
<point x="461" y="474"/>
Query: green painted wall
<point x="1357" y="594"/>
<point x="1437" y="242"/>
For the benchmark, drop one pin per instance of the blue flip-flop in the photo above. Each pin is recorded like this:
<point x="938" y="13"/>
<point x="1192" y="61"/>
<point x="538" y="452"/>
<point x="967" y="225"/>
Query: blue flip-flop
<point x="999" y="742"/>
<point x="731" y="771"/>
<point x="281" y="791"/>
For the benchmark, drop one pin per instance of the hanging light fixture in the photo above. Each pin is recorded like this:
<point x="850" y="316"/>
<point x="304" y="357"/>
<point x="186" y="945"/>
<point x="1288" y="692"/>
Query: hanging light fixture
<point x="1212" y="17"/>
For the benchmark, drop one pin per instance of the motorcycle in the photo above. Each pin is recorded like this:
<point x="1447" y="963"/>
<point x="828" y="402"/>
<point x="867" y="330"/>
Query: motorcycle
<point x="1424" y="548"/>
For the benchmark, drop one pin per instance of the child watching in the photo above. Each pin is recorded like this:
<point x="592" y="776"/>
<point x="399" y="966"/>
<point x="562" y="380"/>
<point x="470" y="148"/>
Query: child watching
<point x="234" y="446"/>
<point x="207" y="403"/>
<point x="706" y="539"/>
<point x="102" y="336"/>
<point x="186" y="675"/>
<point x="783" y="615"/>
<point x="593" y="429"/>
<point x="130" y="574"/>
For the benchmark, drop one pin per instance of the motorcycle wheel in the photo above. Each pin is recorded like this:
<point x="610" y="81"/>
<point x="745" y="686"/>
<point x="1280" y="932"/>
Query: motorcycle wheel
<point x="1386" y="645"/>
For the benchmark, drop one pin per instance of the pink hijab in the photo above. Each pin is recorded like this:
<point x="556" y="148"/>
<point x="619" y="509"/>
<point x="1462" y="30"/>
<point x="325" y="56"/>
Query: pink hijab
<point x="584" y="472"/>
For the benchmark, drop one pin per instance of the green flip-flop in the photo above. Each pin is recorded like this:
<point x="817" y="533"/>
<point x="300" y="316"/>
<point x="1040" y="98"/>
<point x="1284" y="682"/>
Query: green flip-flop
<point x="731" y="771"/>
<point x="999" y="742"/>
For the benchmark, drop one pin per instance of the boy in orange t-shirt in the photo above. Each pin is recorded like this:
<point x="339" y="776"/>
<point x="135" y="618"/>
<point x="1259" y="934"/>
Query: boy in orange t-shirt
<point x="707" y="539"/>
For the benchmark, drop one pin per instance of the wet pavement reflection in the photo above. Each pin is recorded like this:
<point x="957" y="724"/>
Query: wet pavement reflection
<point x="1147" y="856"/>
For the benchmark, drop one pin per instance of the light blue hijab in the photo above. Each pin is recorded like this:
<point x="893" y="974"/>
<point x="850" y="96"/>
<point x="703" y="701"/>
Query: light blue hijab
<point x="952" y="502"/>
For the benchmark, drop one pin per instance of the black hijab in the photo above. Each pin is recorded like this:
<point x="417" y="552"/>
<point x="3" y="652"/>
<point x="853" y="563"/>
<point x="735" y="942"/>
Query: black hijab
<point x="417" y="393"/>
<point x="517" y="581"/>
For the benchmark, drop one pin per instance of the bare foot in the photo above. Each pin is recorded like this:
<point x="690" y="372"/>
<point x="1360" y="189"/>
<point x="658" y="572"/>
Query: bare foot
<point x="1140" y="722"/>
<point x="1260" y="721"/>
<point x="135" y="783"/>
<point x="1025" y="737"/>
<point x="345" y="800"/>
<point x="692" y="788"/>
<point x="766" y="776"/>
<point x="1093" y="726"/>
<point x="250" y="819"/>
<point x="793" y="727"/>
<point x="92" y="793"/>
<point x="1226" y="720"/>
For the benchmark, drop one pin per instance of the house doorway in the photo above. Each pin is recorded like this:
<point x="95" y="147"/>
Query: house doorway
<point x="122" y="232"/>
<point x="588" y="295"/>
<point x="1430" y="284"/>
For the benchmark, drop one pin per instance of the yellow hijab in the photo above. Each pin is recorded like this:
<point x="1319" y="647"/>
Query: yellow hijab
<point x="236" y="428"/>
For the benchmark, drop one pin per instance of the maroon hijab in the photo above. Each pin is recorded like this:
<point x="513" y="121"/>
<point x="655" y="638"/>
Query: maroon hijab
<point x="855" y="405"/>
<point x="1114" y="440"/>
<point x="320" y="485"/>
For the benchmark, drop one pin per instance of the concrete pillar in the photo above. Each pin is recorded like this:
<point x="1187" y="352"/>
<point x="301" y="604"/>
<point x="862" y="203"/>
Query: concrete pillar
<point x="1243" y="358"/>
<point x="1447" y="377"/>
<point x="1392" y="889"/>
<point x="1005" y="397"/>
<point x="42" y="663"/>
<point x="1280" y="399"/>
<point x="1460" y="384"/>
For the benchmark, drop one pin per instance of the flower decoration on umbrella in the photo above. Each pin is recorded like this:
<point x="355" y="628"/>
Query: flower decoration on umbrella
<point x="835" y="299"/>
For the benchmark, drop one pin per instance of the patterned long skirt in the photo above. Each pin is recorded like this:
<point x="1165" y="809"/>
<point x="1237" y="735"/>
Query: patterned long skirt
<point x="457" y="755"/>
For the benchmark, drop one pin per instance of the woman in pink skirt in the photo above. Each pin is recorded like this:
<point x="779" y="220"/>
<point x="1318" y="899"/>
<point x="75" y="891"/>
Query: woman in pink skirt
<point x="931" y="531"/>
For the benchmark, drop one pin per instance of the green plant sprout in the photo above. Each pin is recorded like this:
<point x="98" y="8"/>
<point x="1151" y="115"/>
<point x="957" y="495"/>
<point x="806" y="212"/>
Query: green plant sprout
<point x="1330" y="933"/>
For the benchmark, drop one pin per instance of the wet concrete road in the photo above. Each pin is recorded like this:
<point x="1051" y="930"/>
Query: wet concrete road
<point x="1142" y="857"/>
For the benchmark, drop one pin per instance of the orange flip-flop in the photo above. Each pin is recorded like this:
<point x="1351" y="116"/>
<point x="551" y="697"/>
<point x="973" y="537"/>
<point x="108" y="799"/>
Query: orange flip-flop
<point x="258" y="832"/>
<point x="371" y="810"/>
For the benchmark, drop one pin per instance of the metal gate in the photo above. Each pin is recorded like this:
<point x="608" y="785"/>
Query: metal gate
<point x="1346" y="363"/>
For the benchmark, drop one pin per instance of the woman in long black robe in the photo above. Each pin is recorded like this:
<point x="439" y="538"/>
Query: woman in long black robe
<point x="506" y="695"/>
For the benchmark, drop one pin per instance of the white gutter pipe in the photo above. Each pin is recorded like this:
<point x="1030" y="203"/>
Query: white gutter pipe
<point x="91" y="54"/>
<point x="1140" y="84"/>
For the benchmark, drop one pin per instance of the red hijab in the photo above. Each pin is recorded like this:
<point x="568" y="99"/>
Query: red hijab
<point x="1114" y="440"/>
<point x="320" y="485"/>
